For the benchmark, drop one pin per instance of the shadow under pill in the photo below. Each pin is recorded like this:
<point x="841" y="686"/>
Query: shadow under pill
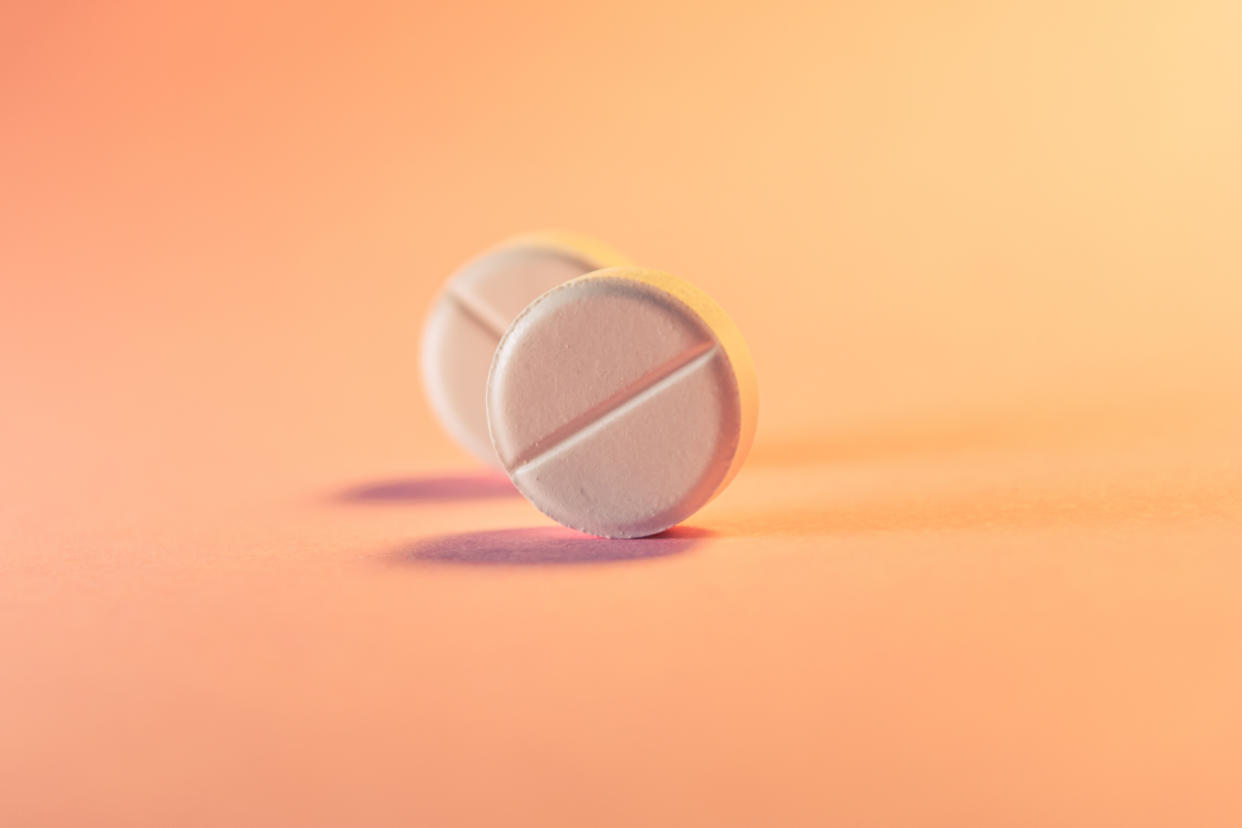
<point x="436" y="487"/>
<point x="542" y="546"/>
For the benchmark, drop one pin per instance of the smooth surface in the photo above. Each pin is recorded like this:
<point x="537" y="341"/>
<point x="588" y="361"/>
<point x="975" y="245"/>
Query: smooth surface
<point x="474" y="308"/>
<point x="981" y="568"/>
<point x="621" y="402"/>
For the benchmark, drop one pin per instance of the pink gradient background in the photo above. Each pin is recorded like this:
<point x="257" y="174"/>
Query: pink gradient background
<point x="983" y="567"/>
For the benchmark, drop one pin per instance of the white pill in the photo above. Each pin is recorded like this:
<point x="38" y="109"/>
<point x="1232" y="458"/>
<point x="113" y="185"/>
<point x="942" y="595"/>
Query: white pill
<point x="621" y="402"/>
<point x="472" y="312"/>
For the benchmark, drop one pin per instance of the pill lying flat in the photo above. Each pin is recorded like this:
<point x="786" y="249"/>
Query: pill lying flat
<point x="621" y="402"/>
<point x="473" y="310"/>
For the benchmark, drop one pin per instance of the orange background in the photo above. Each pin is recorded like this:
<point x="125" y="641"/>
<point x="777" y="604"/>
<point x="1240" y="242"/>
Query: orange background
<point x="982" y="568"/>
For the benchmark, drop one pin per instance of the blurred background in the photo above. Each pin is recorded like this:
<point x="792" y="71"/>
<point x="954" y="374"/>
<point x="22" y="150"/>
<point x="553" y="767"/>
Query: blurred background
<point x="985" y="254"/>
<point x="908" y="207"/>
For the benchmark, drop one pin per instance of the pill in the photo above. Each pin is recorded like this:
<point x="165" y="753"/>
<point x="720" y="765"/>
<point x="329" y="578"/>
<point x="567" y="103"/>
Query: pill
<point x="621" y="402"/>
<point x="474" y="308"/>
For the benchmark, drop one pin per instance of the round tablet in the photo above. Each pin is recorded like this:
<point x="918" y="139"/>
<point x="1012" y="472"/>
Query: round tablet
<point x="473" y="310"/>
<point x="621" y="402"/>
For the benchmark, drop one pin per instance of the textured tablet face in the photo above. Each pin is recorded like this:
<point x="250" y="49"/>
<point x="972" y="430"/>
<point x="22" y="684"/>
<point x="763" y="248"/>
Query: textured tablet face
<point x="472" y="312"/>
<point x="621" y="402"/>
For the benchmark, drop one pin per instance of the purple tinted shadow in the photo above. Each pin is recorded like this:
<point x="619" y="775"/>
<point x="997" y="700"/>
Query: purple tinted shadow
<point x="541" y="546"/>
<point x="468" y="486"/>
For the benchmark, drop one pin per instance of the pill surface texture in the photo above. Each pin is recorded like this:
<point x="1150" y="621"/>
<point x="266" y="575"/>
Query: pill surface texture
<point x="621" y="402"/>
<point x="472" y="312"/>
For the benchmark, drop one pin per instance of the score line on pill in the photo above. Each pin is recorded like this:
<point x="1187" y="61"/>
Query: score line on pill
<point x="621" y="402"/>
<point x="474" y="309"/>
